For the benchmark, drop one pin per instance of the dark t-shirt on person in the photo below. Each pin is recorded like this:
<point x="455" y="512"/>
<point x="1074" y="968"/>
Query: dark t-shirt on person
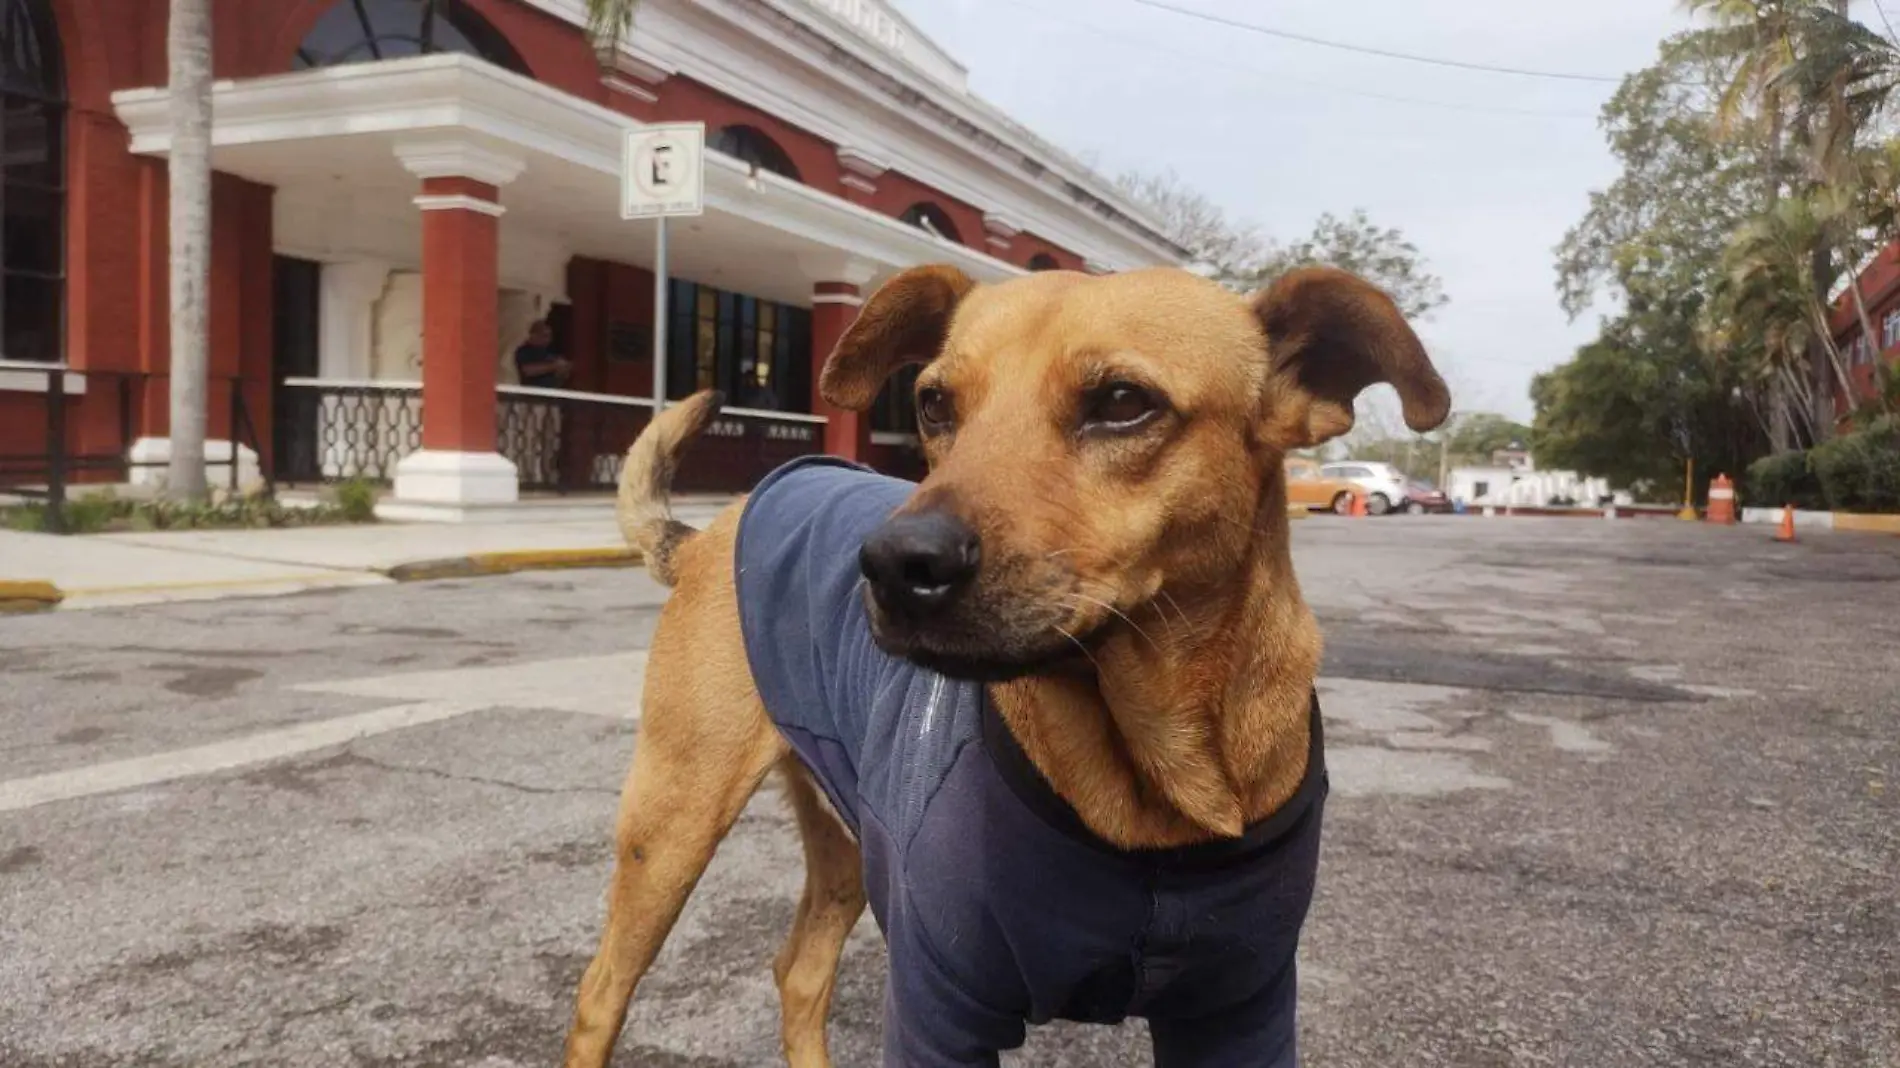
<point x="527" y="355"/>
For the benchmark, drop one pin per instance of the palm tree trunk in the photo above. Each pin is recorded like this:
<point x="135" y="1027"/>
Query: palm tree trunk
<point x="188" y="54"/>
<point x="1783" y="426"/>
<point x="1823" y="356"/>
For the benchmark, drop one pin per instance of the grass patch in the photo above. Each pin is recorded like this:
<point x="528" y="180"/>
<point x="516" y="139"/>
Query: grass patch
<point x="103" y="513"/>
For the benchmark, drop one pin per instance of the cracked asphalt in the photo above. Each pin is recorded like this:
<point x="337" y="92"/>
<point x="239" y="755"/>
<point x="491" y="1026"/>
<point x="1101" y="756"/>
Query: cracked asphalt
<point x="1605" y="794"/>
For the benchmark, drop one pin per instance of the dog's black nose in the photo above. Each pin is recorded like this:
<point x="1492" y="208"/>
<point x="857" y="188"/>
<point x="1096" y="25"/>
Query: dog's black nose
<point x="916" y="563"/>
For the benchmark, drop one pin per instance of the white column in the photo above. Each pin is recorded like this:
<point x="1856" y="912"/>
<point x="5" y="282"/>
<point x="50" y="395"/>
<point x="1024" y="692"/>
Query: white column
<point x="346" y="302"/>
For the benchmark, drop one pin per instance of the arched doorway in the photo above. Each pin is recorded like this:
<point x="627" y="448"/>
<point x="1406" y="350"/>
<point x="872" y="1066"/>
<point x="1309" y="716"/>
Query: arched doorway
<point x="1042" y="261"/>
<point x="749" y="145"/>
<point x="32" y="184"/>
<point x="367" y="31"/>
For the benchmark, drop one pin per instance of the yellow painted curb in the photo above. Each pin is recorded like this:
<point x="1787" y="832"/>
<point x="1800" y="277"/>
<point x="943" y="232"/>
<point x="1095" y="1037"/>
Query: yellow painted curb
<point x="503" y="563"/>
<point x="332" y="579"/>
<point x="28" y="595"/>
<point x="539" y="559"/>
<point x="1867" y="524"/>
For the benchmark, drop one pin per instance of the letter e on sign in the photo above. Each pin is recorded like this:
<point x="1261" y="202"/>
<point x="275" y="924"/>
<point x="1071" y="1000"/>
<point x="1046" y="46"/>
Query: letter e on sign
<point x="662" y="171"/>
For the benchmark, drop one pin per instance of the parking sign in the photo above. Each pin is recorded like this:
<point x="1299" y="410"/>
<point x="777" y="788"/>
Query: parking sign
<point x="661" y="172"/>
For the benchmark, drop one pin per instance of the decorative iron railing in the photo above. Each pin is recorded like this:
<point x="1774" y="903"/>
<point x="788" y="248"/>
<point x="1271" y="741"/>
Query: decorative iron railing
<point x="558" y="439"/>
<point x="69" y="427"/>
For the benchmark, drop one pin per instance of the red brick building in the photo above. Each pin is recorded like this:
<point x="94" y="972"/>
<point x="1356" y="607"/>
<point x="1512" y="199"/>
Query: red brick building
<point x="1880" y="293"/>
<point x="402" y="187"/>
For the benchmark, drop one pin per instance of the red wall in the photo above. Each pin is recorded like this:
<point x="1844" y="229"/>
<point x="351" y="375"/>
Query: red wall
<point x="1880" y="293"/>
<point x="117" y="291"/>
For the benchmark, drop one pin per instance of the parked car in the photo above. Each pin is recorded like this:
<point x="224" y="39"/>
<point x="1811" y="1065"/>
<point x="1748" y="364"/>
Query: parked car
<point x="1383" y="484"/>
<point x="1422" y="497"/>
<point x="1307" y="488"/>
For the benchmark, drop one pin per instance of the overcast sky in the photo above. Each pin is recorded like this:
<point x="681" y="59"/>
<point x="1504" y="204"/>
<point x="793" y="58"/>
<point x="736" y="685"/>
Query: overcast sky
<point x="1279" y="132"/>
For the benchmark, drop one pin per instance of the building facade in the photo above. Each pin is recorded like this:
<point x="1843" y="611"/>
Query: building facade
<point x="402" y="187"/>
<point x="1861" y="352"/>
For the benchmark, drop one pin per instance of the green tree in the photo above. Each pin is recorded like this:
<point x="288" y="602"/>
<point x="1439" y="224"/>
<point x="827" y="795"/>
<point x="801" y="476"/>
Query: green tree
<point x="1227" y="249"/>
<point x="1234" y="252"/>
<point x="1634" y="405"/>
<point x="1381" y="255"/>
<point x="1808" y="81"/>
<point x="1473" y="437"/>
<point x="1652" y="390"/>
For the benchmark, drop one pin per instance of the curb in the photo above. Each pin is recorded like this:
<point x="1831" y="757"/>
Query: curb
<point x="505" y="563"/>
<point x="19" y="596"/>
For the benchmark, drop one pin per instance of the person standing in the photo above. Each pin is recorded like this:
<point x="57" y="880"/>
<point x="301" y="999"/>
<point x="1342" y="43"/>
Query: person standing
<point x="536" y="362"/>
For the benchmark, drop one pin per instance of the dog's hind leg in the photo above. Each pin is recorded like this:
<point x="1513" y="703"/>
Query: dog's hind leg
<point x="692" y="774"/>
<point x="807" y="968"/>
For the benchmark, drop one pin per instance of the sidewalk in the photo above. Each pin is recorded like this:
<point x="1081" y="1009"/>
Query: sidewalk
<point x="98" y="570"/>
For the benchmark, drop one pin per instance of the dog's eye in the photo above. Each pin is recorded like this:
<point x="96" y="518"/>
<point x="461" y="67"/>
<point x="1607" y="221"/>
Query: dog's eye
<point x="1120" y="406"/>
<point x="934" y="408"/>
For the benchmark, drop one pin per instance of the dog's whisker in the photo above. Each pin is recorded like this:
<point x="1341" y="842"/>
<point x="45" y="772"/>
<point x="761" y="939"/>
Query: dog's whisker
<point x="1122" y="615"/>
<point x="1178" y="610"/>
<point x="1077" y="642"/>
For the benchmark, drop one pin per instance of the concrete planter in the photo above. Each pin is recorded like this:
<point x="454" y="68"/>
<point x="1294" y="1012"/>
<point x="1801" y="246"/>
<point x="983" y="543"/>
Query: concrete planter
<point x="1867" y="524"/>
<point x="1803" y="520"/>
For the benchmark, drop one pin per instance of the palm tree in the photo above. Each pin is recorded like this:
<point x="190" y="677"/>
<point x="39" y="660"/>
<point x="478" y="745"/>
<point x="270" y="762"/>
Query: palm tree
<point x="188" y="54"/>
<point x="1809" y="62"/>
<point x="1763" y="297"/>
<point x="608" y="23"/>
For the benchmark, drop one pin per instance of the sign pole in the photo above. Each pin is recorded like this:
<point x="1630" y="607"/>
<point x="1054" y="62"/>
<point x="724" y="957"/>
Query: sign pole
<point x="661" y="174"/>
<point x="659" y="317"/>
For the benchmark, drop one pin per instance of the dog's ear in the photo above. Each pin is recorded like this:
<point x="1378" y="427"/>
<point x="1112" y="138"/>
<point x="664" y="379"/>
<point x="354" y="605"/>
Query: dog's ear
<point x="905" y="321"/>
<point x="1331" y="334"/>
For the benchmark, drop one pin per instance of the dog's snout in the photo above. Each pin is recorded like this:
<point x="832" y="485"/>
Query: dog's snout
<point x="917" y="563"/>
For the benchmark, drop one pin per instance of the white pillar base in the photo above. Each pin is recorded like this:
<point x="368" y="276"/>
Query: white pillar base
<point x="456" y="479"/>
<point x="151" y="453"/>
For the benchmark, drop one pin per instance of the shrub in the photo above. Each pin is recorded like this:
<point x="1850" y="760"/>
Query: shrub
<point x="356" y="499"/>
<point x="1784" y="478"/>
<point x="355" y="503"/>
<point x="1860" y="472"/>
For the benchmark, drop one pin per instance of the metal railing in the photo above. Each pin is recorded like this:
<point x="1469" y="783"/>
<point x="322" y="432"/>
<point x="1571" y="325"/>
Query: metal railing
<point x="558" y="439"/>
<point x="106" y="402"/>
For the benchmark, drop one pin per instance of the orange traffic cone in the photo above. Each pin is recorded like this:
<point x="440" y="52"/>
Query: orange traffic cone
<point x="1358" y="506"/>
<point x="1786" y="533"/>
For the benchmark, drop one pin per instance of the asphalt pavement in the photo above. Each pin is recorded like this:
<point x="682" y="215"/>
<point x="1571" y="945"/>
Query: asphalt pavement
<point x="1605" y="794"/>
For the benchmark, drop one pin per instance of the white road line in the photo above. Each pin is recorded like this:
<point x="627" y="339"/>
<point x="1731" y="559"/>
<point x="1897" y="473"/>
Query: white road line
<point x="218" y="756"/>
<point x="607" y="685"/>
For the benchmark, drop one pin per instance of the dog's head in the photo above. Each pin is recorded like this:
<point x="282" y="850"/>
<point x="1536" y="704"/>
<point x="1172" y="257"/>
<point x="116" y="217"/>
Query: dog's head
<point x="1094" y="442"/>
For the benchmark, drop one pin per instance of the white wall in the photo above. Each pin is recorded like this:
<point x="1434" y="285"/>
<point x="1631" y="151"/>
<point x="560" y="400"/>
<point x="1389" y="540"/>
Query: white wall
<point x="1504" y="486"/>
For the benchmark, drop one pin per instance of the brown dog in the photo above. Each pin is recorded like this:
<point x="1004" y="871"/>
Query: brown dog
<point x="1116" y="445"/>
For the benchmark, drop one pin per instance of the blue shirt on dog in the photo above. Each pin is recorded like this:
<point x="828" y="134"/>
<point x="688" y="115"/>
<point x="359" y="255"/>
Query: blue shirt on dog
<point x="999" y="906"/>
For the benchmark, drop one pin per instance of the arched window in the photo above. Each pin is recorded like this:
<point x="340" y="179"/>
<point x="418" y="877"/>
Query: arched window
<point x="32" y="183"/>
<point x="933" y="219"/>
<point x="364" y="31"/>
<point x="1042" y="261"/>
<point x="747" y="145"/>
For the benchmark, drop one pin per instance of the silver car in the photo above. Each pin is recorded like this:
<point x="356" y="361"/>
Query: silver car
<point x="1383" y="484"/>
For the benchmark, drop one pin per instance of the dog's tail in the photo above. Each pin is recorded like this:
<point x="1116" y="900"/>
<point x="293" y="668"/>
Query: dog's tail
<point x="646" y="482"/>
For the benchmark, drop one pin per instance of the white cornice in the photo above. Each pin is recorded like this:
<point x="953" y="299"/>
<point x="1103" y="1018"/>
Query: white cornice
<point x="457" y="201"/>
<point x="453" y="97"/>
<point x="452" y="158"/>
<point x="861" y="163"/>
<point x="811" y="73"/>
